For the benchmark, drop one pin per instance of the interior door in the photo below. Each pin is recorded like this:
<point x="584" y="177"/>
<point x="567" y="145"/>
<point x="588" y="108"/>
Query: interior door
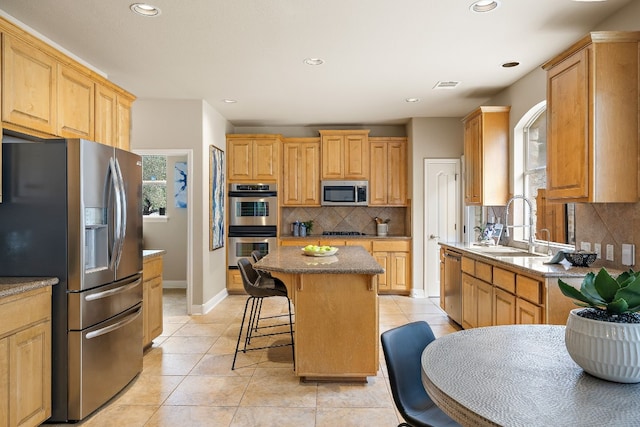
<point x="442" y="215"/>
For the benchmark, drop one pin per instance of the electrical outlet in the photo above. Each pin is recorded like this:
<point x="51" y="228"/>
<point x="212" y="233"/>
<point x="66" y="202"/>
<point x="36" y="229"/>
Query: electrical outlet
<point x="609" y="252"/>
<point x="597" y="248"/>
<point x="585" y="246"/>
<point x="628" y="254"/>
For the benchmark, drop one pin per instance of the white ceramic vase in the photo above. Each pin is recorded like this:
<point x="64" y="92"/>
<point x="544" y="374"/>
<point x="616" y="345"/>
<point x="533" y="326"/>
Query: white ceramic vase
<point x="606" y="350"/>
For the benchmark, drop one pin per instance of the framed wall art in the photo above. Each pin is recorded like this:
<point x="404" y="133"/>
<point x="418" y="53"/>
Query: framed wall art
<point x="216" y="194"/>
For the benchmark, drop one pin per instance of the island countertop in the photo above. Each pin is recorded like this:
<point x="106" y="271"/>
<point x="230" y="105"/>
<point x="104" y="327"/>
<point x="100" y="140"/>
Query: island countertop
<point x="348" y="260"/>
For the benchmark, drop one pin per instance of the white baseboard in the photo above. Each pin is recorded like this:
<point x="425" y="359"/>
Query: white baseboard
<point x="209" y="305"/>
<point x="174" y="284"/>
<point x="417" y="293"/>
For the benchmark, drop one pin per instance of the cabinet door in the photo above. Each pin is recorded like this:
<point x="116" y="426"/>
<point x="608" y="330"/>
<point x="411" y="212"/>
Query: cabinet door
<point x="527" y="313"/>
<point x="484" y="298"/>
<point x="382" y="258"/>
<point x="397" y="173"/>
<point x="105" y="116"/>
<point x="400" y="270"/>
<point x="265" y="160"/>
<point x="234" y="282"/>
<point x="379" y="174"/>
<point x="154" y="308"/>
<point x="301" y="174"/>
<point x="75" y="104"/>
<point x="4" y="382"/>
<point x="123" y="123"/>
<point x="240" y="159"/>
<point x="567" y="127"/>
<point x="28" y="86"/>
<point x="473" y="161"/>
<point x="504" y="307"/>
<point x="356" y="157"/>
<point x="469" y="304"/>
<point x="332" y="157"/>
<point x="30" y="375"/>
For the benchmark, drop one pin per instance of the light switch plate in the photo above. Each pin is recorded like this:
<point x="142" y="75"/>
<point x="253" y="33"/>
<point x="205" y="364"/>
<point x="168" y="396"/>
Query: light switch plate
<point x="628" y="254"/>
<point x="609" y="252"/>
<point x="597" y="248"/>
<point x="585" y="246"/>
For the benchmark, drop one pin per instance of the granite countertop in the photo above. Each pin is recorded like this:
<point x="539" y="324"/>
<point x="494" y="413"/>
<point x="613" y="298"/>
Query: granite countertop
<point x="152" y="253"/>
<point x="347" y="237"/>
<point x="348" y="260"/>
<point x="17" y="285"/>
<point x="532" y="265"/>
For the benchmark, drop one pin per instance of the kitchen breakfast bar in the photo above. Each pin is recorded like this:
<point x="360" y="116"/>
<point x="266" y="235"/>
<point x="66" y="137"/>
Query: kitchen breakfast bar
<point x="336" y="311"/>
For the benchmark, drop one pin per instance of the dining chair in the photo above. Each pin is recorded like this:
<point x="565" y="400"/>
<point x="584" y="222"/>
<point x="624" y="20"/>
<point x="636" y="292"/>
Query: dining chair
<point x="402" y="348"/>
<point x="258" y="288"/>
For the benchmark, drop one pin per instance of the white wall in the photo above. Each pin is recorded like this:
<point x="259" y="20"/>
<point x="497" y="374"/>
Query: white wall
<point x="191" y="125"/>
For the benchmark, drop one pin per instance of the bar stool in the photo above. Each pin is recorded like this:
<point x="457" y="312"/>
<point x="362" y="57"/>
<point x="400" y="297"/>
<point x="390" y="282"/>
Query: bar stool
<point x="259" y="287"/>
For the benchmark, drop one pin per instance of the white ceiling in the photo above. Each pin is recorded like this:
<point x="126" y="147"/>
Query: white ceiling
<point x="376" y="52"/>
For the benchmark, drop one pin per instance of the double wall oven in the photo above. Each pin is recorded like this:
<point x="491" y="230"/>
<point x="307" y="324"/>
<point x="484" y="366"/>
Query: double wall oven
<point x="253" y="220"/>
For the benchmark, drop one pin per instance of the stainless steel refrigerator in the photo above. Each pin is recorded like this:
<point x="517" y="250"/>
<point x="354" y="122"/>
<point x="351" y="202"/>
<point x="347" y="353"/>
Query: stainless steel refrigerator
<point x="72" y="209"/>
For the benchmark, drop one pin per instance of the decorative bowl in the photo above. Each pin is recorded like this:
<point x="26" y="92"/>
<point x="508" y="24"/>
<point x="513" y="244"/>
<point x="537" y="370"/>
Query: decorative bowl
<point x="320" y="253"/>
<point x="580" y="259"/>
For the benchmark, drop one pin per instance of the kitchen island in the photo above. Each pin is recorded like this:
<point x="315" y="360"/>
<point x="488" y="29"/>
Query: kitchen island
<point x="336" y="309"/>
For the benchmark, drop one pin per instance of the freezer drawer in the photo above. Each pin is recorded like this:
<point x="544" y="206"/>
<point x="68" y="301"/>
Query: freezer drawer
<point x="95" y="305"/>
<point x="103" y="359"/>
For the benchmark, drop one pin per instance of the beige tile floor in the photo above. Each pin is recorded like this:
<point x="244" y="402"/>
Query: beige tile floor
<point x="187" y="378"/>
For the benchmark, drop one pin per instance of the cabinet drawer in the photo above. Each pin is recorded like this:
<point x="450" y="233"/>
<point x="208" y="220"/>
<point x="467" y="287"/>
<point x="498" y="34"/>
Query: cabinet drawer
<point x="468" y="266"/>
<point x="529" y="289"/>
<point x="391" y="246"/>
<point x="504" y="279"/>
<point x="16" y="316"/>
<point x="483" y="271"/>
<point x="152" y="268"/>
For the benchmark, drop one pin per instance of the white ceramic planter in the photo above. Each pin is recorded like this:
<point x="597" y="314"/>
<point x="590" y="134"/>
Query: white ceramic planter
<point x="606" y="350"/>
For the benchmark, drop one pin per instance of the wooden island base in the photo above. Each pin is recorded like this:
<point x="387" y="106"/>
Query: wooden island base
<point x="336" y="312"/>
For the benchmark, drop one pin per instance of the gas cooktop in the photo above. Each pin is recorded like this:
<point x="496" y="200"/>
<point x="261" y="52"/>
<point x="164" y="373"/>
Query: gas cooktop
<point x="342" y="233"/>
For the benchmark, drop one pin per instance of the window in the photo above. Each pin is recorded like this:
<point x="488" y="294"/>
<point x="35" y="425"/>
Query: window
<point x="154" y="185"/>
<point x="558" y="218"/>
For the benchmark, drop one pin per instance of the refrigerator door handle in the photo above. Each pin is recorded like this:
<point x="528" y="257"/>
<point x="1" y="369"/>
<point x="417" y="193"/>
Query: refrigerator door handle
<point x="118" y="207"/>
<point x="110" y="292"/>
<point x="123" y="211"/>
<point x="130" y="318"/>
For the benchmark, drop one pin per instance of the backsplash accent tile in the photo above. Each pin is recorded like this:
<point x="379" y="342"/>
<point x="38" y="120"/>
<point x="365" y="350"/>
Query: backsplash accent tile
<point x="345" y="218"/>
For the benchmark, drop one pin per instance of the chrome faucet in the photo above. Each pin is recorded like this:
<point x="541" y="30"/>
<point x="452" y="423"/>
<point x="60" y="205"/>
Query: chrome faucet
<point x="531" y="225"/>
<point x="549" y="253"/>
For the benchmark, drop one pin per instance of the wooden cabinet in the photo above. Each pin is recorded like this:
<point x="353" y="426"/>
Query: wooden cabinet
<point x="345" y="154"/>
<point x="592" y="120"/>
<point x="477" y="299"/>
<point x="301" y="172"/>
<point x="253" y="158"/>
<point x="395" y="258"/>
<point x="388" y="174"/>
<point x="75" y="104"/>
<point x="151" y="299"/>
<point x="486" y="148"/>
<point x="29" y="95"/>
<point x="123" y="122"/>
<point x="113" y="117"/>
<point x="25" y="358"/>
<point x="234" y="282"/>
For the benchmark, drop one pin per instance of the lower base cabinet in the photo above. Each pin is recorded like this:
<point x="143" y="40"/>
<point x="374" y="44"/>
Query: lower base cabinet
<point x="151" y="300"/>
<point x="234" y="282"/>
<point x="395" y="258"/>
<point x="25" y="358"/>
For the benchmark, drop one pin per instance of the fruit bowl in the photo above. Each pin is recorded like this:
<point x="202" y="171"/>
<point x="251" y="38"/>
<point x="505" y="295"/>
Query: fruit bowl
<point x="580" y="259"/>
<point x="312" y="250"/>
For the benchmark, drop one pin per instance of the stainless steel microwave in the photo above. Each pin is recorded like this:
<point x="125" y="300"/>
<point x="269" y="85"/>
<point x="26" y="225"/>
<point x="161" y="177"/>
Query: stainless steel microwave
<point x="345" y="193"/>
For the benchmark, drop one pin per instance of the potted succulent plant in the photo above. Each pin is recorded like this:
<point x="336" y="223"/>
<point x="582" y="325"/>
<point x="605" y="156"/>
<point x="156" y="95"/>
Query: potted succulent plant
<point x="603" y="337"/>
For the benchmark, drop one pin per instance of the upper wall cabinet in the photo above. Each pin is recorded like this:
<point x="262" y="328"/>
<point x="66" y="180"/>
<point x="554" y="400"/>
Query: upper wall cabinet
<point x="592" y="119"/>
<point x="29" y="95"/>
<point x="388" y="176"/>
<point x="486" y="148"/>
<point x="253" y="158"/>
<point x="301" y="172"/>
<point x="345" y="154"/>
<point x="45" y="93"/>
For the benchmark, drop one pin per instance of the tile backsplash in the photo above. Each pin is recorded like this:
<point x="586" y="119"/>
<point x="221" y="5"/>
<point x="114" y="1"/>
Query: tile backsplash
<point x="345" y="218"/>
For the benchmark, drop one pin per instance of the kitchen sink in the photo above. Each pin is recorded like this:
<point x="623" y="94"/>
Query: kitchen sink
<point x="504" y="251"/>
<point x="515" y="254"/>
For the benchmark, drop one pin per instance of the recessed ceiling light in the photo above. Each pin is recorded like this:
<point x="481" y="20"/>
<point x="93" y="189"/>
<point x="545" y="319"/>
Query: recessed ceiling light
<point x="145" y="9"/>
<point x="450" y="84"/>
<point x="313" y="61"/>
<point x="229" y="101"/>
<point x="482" y="6"/>
<point x="412" y="100"/>
<point x="510" y="64"/>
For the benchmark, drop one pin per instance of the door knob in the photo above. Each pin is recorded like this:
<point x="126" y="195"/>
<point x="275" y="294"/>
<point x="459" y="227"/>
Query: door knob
<point x="432" y="236"/>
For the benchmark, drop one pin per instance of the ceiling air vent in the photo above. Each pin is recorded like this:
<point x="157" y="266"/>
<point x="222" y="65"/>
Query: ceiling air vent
<point x="446" y="85"/>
